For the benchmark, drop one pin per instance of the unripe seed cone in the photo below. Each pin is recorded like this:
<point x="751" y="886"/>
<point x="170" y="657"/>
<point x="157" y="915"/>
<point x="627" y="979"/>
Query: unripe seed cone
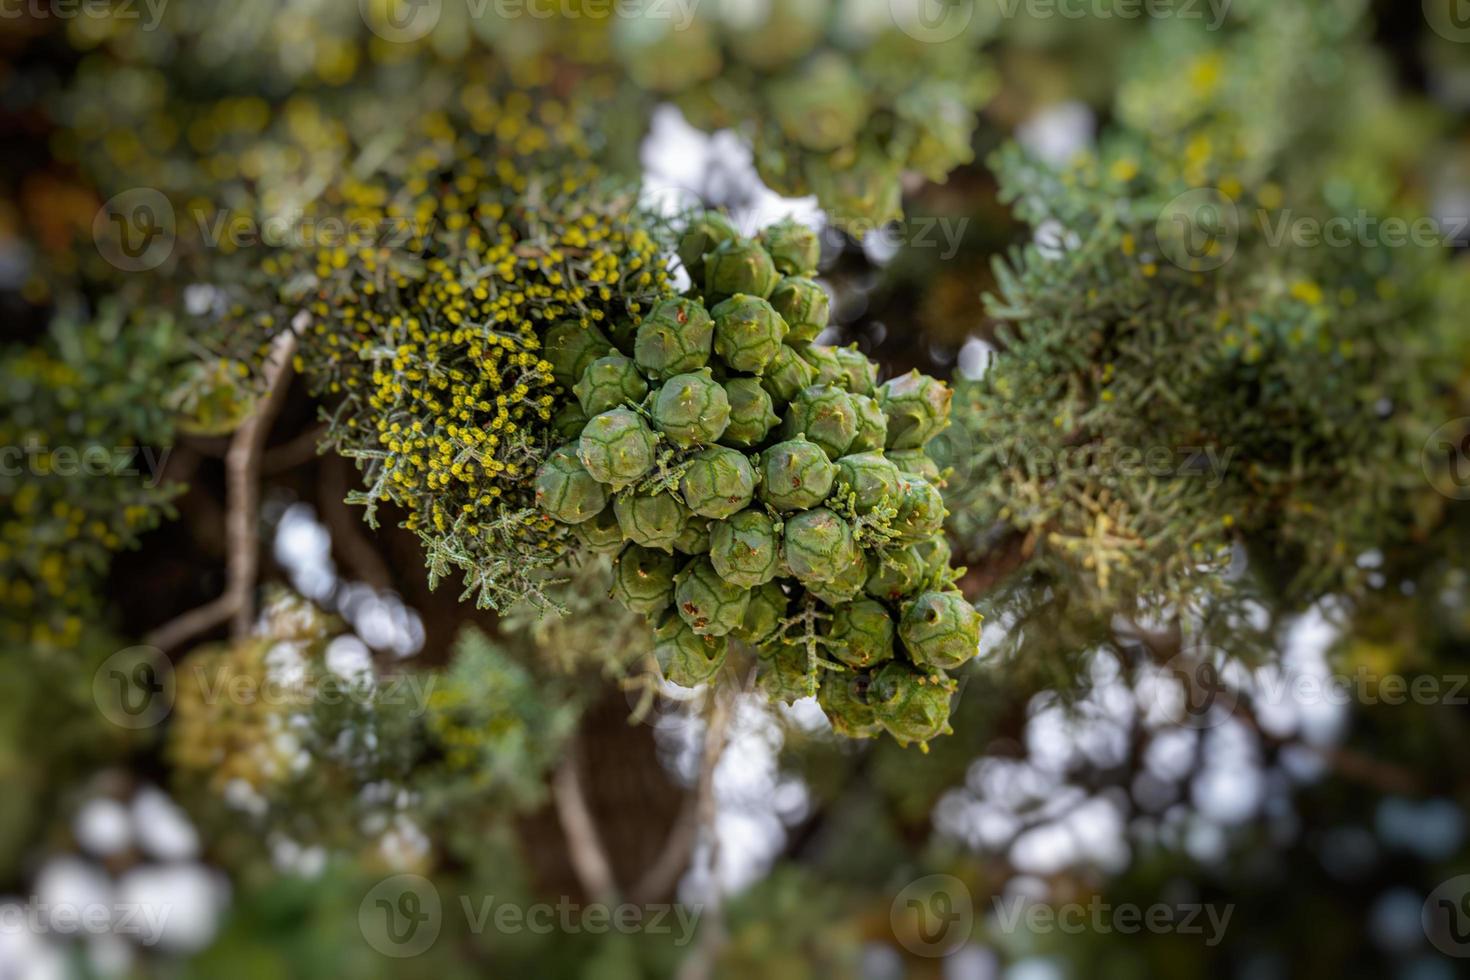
<point x="917" y="407"/>
<point x="652" y="520"/>
<point x="862" y="634"/>
<point x="823" y="106"/>
<point x="768" y="605"/>
<point x="793" y="247"/>
<point x="602" y="534"/>
<point x="871" y="478"/>
<point x="745" y="549"/>
<point x="566" y="491"/>
<point x="718" y="482"/>
<point x="608" y="383"/>
<point x="845" y="585"/>
<point x="748" y="332"/>
<point x="872" y="425"/>
<point x="738" y="265"/>
<point x="787" y="376"/>
<point x="859" y="375"/>
<point x="685" y="657"/>
<point x="643" y="580"/>
<point x="692" y="409"/>
<point x="783" y="672"/>
<point x="711" y="605"/>
<point x="912" y="706"/>
<point x="804" y="305"/>
<point x="675" y="338"/>
<point x="920" y="509"/>
<point x="569" y="421"/>
<point x="700" y="238"/>
<point x="824" y="364"/>
<point x="825" y="415"/>
<point x="940" y="630"/>
<point x="819" y="545"/>
<point x="915" y="462"/>
<point x="695" y="538"/>
<point x="752" y="416"/>
<point x="617" y="448"/>
<point x="934" y="552"/>
<point x="570" y="347"/>
<point x="895" y="574"/>
<point x="796" y="475"/>
<point x="843" y="699"/>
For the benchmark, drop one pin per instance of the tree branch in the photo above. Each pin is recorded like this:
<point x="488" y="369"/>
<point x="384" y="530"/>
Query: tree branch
<point x="584" y="846"/>
<point x="242" y="518"/>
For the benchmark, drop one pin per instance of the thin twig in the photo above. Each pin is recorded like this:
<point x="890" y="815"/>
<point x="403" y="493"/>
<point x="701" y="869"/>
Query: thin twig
<point x="700" y="963"/>
<point x="662" y="876"/>
<point x="242" y="517"/>
<point x="584" y="846"/>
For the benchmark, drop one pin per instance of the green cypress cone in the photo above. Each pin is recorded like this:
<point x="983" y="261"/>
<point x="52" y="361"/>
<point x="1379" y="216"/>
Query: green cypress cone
<point x="825" y="415"/>
<point x="872" y="425"/>
<point x="718" y="482"/>
<point x="610" y="382"/>
<point x="911" y="706"/>
<point x="768" y="605"/>
<point x="819" y="545"/>
<point x="752" y="416"/>
<point x="685" y="657"/>
<point x="917" y="407"/>
<point x="748" y="333"/>
<point x="643" y="580"/>
<point x="787" y="376"/>
<point x="566" y="491"/>
<point x="745" y="549"/>
<point x="710" y="605"/>
<point x="617" y="447"/>
<point x="570" y="347"/>
<point x="652" y="520"/>
<point x="675" y="338"/>
<point x="794" y="248"/>
<point x="692" y="409"/>
<point x="804" y="305"/>
<point x="871" y="478"/>
<point x="796" y="475"/>
<point x="738" y="265"/>
<point x="862" y="634"/>
<point x="940" y="630"/>
<point x="843" y="699"/>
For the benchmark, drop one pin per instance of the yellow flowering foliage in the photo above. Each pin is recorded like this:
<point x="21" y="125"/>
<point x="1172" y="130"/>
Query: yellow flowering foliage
<point x="422" y="326"/>
<point x="81" y="455"/>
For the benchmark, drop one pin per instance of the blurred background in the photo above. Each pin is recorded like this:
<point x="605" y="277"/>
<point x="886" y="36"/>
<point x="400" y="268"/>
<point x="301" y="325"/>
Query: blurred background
<point x="1217" y="721"/>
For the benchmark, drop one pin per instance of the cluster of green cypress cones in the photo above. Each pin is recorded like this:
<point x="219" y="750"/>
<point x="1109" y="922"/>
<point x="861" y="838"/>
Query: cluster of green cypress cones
<point x="759" y="487"/>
